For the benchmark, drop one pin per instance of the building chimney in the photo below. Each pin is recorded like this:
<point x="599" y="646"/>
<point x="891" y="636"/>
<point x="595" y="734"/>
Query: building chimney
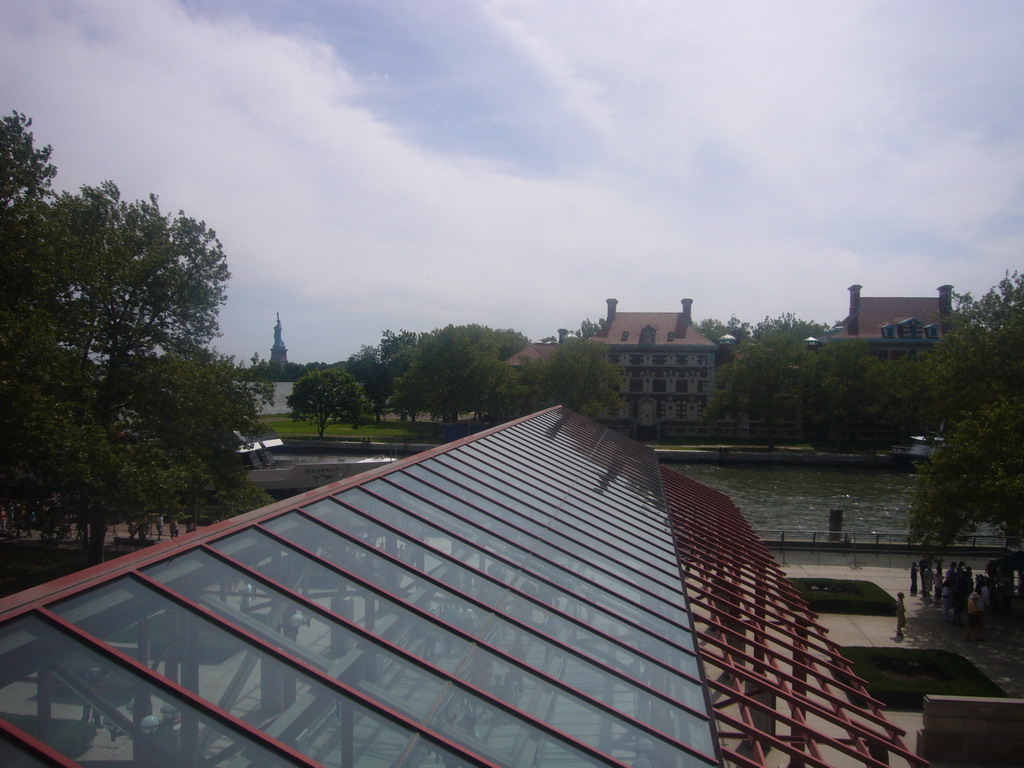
<point x="945" y="305"/>
<point x="853" y="326"/>
<point x="687" y="304"/>
<point x="612" y="303"/>
<point x="562" y="333"/>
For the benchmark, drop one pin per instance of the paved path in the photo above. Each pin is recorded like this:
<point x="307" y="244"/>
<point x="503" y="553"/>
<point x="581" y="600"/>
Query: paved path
<point x="1000" y="656"/>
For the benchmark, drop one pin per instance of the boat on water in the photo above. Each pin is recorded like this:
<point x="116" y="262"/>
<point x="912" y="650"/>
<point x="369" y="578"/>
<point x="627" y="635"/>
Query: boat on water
<point x="279" y="473"/>
<point x="920" y="449"/>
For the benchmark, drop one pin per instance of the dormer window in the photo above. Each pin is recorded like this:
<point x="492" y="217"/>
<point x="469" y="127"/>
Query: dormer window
<point x="931" y="331"/>
<point x="625" y="336"/>
<point x="889" y="331"/>
<point x="647" y="335"/>
<point x="671" y="335"/>
<point x="910" y="328"/>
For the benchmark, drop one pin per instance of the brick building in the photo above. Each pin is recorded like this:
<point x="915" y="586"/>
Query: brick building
<point x="668" y="370"/>
<point x="895" y="326"/>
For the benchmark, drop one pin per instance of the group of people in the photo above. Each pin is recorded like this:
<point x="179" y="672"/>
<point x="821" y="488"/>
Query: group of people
<point x="52" y="517"/>
<point x="960" y="592"/>
<point x="144" y="531"/>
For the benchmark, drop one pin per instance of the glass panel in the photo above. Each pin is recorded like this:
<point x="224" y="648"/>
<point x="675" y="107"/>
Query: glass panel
<point x="14" y="755"/>
<point x="235" y="675"/>
<point x="395" y="682"/>
<point x="587" y="481"/>
<point x="537" y="652"/>
<point x="530" y="517"/>
<point x="329" y="645"/>
<point x="546" y="612"/>
<point x="623" y="516"/>
<point x="380" y="510"/>
<point x="569" y="591"/>
<point x="93" y="711"/>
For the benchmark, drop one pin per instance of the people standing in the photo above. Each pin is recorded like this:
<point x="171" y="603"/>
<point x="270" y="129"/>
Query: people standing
<point x="937" y="582"/>
<point x="926" y="583"/>
<point x="901" y="614"/>
<point x="913" y="578"/>
<point x="947" y="600"/>
<point x="974" y="617"/>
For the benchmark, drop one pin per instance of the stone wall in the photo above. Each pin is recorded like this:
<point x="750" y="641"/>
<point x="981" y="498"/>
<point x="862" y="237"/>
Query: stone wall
<point x="972" y="730"/>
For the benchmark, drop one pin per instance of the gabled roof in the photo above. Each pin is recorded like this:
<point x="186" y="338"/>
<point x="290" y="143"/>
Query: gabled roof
<point x="670" y="328"/>
<point x="540" y="594"/>
<point x="879" y="311"/>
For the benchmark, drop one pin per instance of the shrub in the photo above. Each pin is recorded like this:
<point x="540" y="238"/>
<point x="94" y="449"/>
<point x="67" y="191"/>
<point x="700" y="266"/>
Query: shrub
<point x="846" y="596"/>
<point x="901" y="677"/>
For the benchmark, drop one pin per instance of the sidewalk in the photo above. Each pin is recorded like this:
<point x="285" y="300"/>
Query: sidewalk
<point x="1000" y="656"/>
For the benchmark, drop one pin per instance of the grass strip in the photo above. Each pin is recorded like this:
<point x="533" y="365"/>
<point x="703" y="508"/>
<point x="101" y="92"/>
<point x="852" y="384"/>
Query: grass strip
<point x="863" y="598"/>
<point x="901" y="677"/>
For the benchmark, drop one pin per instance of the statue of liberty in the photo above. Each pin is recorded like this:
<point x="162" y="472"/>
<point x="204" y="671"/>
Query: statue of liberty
<point x="279" y="352"/>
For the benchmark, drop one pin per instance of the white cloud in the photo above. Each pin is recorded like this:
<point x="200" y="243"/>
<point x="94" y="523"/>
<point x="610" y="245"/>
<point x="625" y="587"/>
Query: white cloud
<point x="367" y="172"/>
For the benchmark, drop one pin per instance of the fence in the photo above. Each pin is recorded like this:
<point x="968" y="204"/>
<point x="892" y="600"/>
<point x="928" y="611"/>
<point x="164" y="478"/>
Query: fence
<point x="887" y="549"/>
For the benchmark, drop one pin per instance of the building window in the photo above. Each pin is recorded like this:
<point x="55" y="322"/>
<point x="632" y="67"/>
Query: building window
<point x="932" y="331"/>
<point x="658" y="385"/>
<point x="625" y="335"/>
<point x="647" y="335"/>
<point x="889" y="331"/>
<point x="671" y="335"/>
<point x="636" y="385"/>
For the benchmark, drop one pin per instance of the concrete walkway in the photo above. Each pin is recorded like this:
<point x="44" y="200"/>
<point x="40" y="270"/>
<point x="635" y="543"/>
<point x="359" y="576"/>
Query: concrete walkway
<point x="1000" y="656"/>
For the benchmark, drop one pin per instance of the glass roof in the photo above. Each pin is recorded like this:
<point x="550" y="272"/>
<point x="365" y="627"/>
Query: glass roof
<point x="512" y="599"/>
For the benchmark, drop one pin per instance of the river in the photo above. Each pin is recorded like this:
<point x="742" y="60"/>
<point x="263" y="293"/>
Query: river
<point x="799" y="498"/>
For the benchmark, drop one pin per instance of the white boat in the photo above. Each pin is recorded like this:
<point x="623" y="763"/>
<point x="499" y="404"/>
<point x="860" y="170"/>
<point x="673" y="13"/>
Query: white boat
<point x="920" y="449"/>
<point x="300" y="473"/>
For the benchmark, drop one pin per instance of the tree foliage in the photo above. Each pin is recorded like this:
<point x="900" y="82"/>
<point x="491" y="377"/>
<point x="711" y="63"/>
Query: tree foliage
<point x="838" y="387"/>
<point x="328" y="397"/>
<point x="108" y="380"/>
<point x="976" y="477"/>
<point x="715" y="329"/>
<point x="764" y="381"/>
<point x="377" y="368"/>
<point x="577" y="375"/>
<point x="789" y="325"/>
<point x="461" y="369"/>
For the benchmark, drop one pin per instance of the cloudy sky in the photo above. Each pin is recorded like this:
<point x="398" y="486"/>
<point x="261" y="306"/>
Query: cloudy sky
<point x="374" y="165"/>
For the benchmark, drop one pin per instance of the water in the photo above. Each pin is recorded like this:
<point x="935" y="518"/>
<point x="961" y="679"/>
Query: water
<point x="281" y="391"/>
<point x="799" y="498"/>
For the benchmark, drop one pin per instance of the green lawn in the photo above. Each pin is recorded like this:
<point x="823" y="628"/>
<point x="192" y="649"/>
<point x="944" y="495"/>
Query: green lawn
<point x="864" y="598"/>
<point x="385" y="431"/>
<point x="901" y="677"/>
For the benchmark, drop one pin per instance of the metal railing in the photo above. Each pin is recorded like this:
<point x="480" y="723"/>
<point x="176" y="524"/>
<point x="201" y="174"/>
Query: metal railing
<point x="873" y="547"/>
<point x="879" y="540"/>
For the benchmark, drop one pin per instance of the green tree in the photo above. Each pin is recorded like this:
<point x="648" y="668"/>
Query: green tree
<point x="460" y="369"/>
<point x="376" y="368"/>
<point x="976" y="477"/>
<point x="901" y="397"/>
<point x="716" y="329"/>
<point x="790" y="325"/>
<point x="764" y="381"/>
<point x="328" y="397"/>
<point x="115" y="394"/>
<point x="577" y="375"/>
<point x="838" y="387"/>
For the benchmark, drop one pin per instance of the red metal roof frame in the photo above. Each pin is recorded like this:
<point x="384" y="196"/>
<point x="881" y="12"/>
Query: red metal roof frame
<point x="777" y="681"/>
